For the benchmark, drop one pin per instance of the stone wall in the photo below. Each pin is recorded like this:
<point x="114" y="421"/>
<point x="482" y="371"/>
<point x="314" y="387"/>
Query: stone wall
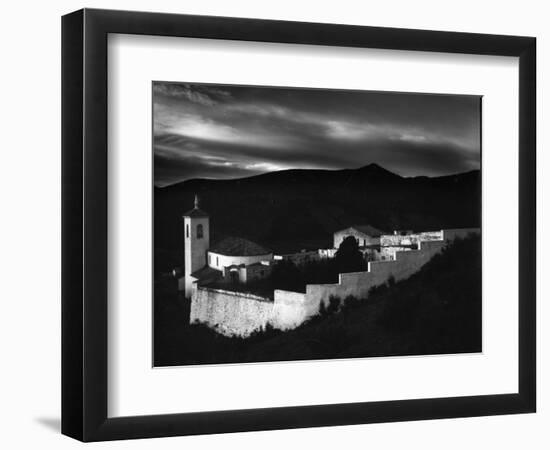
<point x="240" y="314"/>
<point x="290" y="309"/>
<point x="358" y="284"/>
<point x="230" y="313"/>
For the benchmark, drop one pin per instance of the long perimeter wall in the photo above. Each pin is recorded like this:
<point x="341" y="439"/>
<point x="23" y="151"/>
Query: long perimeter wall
<point x="240" y="314"/>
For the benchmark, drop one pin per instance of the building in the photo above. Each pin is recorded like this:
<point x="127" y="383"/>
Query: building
<point x="402" y="241"/>
<point x="196" y="225"/>
<point x="236" y="251"/>
<point x="233" y="259"/>
<point x="244" y="274"/>
<point x="238" y="313"/>
<point x="211" y="270"/>
<point x="240" y="260"/>
<point x="365" y="235"/>
<point x="299" y="258"/>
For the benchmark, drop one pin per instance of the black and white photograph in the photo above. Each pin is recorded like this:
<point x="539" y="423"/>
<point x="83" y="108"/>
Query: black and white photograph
<point x="299" y="224"/>
<point x="275" y="225"/>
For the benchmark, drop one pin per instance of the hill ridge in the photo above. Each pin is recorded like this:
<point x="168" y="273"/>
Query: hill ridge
<point x="300" y="209"/>
<point x="372" y="168"/>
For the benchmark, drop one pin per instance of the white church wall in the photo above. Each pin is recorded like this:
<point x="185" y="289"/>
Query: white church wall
<point x="218" y="261"/>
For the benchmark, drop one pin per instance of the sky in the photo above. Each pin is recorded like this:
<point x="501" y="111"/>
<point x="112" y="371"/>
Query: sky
<point x="229" y="131"/>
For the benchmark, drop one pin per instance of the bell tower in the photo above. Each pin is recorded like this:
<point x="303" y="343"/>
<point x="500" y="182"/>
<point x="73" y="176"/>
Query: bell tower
<point x="196" y="229"/>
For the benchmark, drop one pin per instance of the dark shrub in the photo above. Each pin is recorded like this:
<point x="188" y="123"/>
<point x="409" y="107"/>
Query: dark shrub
<point x="333" y="304"/>
<point x="348" y="257"/>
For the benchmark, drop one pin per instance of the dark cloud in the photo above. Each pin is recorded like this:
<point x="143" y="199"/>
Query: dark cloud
<point x="207" y="131"/>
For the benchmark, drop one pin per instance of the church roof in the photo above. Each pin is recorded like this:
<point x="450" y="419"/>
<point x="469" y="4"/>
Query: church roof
<point x="369" y="230"/>
<point x="237" y="246"/>
<point x="206" y="272"/>
<point x="195" y="212"/>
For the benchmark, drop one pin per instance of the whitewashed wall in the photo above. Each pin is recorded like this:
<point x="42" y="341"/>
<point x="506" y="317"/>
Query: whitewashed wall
<point x="218" y="261"/>
<point x="240" y="314"/>
<point x="230" y="313"/>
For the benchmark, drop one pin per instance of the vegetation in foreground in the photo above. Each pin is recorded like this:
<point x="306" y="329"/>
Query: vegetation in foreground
<point x="436" y="311"/>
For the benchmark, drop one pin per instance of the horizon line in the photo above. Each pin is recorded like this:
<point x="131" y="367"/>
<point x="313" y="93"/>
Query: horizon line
<point x="319" y="169"/>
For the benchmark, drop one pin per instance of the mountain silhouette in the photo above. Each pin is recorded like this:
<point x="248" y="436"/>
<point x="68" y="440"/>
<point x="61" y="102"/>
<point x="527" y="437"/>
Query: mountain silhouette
<point x="298" y="209"/>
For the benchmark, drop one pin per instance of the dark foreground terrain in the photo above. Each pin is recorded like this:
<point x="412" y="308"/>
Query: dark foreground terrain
<point x="437" y="310"/>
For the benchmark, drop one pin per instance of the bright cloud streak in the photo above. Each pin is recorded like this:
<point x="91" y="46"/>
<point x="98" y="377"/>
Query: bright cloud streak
<point x="234" y="131"/>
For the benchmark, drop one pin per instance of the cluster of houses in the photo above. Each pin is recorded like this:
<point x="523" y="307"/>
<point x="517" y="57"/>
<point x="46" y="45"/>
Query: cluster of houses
<point x="211" y="269"/>
<point x="239" y="260"/>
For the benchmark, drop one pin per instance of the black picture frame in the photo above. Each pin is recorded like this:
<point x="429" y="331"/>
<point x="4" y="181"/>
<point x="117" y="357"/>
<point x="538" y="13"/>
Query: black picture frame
<point x="84" y="224"/>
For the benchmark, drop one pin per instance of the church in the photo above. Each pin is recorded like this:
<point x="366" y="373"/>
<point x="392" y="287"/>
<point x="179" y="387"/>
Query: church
<point x="233" y="259"/>
<point x="210" y="270"/>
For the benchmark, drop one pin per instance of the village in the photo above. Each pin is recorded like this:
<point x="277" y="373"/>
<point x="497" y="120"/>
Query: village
<point x="217" y="279"/>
